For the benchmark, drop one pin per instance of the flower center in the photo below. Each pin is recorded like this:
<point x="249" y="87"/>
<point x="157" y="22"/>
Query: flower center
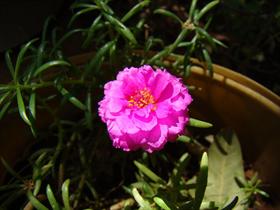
<point x="141" y="99"/>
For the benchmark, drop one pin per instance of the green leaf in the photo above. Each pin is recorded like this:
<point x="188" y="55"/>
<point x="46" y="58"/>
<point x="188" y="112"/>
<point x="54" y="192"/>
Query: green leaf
<point x="54" y="35"/>
<point x="4" y="109"/>
<point x="65" y="194"/>
<point x="11" y="170"/>
<point x="218" y="42"/>
<point x="179" y="169"/>
<point x="49" y="65"/>
<point x="263" y="193"/>
<point x="9" y="63"/>
<point x="40" y="53"/>
<point x="21" y="107"/>
<point x="225" y="164"/>
<point x="192" y="9"/>
<point x="161" y="203"/>
<point x="88" y="112"/>
<point x="121" y="28"/>
<point x="51" y="198"/>
<point x="4" y="96"/>
<point x="169" y="49"/>
<point x="158" y="56"/>
<point x="178" y="40"/>
<point x="45" y="27"/>
<point x="21" y="57"/>
<point x="140" y="24"/>
<point x="199" y="123"/>
<point x="81" y="12"/>
<point x="206" y="9"/>
<point x="208" y="60"/>
<point x="22" y="110"/>
<point x="35" y="202"/>
<point x="91" y="31"/>
<point x="145" y="170"/>
<point x="76" y="5"/>
<point x="207" y="24"/>
<point x="63" y="39"/>
<point x="92" y="190"/>
<point x="168" y="14"/>
<point x="95" y="63"/>
<point x="104" y="7"/>
<point x="185" y="139"/>
<point x="138" y="7"/>
<point x="145" y="187"/>
<point x="37" y="187"/>
<point x="151" y="42"/>
<point x="37" y="166"/>
<point x="203" y="34"/>
<point x="201" y="183"/>
<point x="139" y="199"/>
<point x="32" y="104"/>
<point x="72" y="99"/>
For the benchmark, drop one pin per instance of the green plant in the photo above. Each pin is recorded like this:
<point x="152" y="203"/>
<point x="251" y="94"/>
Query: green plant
<point x="46" y="82"/>
<point x="253" y="37"/>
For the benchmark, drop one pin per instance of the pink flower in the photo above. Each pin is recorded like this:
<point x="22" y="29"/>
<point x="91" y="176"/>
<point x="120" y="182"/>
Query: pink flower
<point x="144" y="108"/>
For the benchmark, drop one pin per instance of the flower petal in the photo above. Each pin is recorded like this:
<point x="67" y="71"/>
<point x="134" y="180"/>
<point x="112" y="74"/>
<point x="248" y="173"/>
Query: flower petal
<point x="144" y="108"/>
<point x="145" y="123"/>
<point x="157" y="139"/>
<point x="162" y="109"/>
<point x="126" y="124"/>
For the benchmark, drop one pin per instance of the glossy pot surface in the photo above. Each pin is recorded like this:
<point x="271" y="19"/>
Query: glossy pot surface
<point x="230" y="99"/>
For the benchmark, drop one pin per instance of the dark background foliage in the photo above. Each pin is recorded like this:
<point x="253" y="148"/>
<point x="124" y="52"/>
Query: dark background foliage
<point x="250" y="29"/>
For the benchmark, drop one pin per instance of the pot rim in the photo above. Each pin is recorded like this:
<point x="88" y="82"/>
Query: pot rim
<point x="221" y="74"/>
<point x="242" y="83"/>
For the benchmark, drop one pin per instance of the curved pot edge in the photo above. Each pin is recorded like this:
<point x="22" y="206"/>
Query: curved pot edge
<point x="221" y="73"/>
<point x="244" y="84"/>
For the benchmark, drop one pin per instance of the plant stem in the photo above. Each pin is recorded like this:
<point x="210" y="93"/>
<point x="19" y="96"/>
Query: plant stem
<point x="13" y="86"/>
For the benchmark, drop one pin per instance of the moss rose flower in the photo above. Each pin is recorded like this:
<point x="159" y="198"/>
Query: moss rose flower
<point x="144" y="108"/>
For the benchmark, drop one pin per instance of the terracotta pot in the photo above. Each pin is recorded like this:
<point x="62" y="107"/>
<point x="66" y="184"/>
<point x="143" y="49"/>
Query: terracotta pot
<point x="228" y="99"/>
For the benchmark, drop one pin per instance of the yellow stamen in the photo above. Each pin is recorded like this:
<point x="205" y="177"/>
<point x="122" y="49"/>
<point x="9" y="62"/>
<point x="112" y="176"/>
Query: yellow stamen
<point x="141" y="99"/>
